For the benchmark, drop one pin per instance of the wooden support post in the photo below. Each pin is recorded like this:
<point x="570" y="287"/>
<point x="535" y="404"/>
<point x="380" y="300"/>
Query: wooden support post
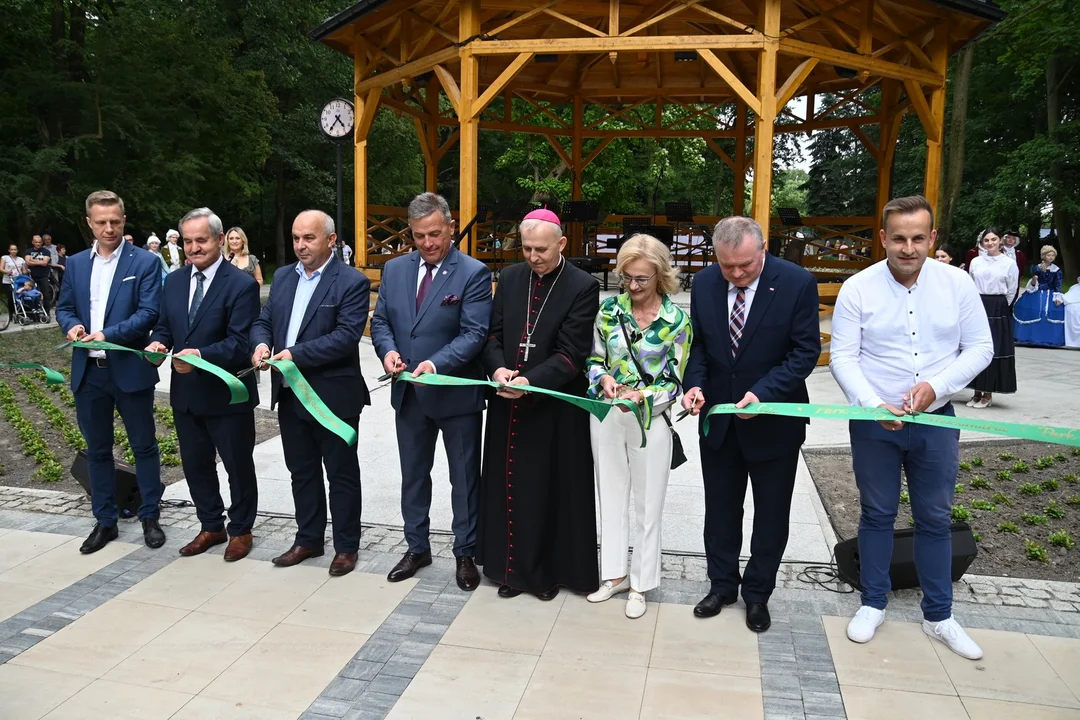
<point x="739" y="187"/>
<point x="891" y="117"/>
<point x="360" y="223"/>
<point x="763" y="124"/>
<point x="468" y="116"/>
<point x="431" y="129"/>
<point x="935" y="143"/>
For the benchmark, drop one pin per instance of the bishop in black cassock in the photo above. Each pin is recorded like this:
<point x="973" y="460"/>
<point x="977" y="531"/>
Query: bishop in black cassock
<point x="537" y="523"/>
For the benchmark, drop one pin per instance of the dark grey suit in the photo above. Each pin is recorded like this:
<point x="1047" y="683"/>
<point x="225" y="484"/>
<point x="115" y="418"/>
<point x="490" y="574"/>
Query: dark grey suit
<point x="449" y="329"/>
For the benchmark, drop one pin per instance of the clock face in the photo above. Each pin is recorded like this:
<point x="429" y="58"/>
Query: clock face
<point x="336" y="119"/>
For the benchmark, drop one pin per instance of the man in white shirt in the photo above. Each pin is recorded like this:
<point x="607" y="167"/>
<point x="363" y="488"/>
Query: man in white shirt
<point x="907" y="334"/>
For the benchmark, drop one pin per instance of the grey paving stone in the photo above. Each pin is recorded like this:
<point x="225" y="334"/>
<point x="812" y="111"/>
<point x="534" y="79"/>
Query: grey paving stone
<point x="426" y="632"/>
<point x="375" y="702"/>
<point x="782" y="708"/>
<point x="378" y="651"/>
<point x="400" y="624"/>
<point x="389" y="684"/>
<point x="361" y="669"/>
<point x="398" y="669"/>
<point x="823" y="703"/>
<point x="327" y="708"/>
<point x="345" y="689"/>
<point x="316" y="716"/>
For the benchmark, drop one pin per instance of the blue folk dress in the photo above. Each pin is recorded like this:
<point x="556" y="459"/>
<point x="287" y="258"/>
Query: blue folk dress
<point x="1036" y="319"/>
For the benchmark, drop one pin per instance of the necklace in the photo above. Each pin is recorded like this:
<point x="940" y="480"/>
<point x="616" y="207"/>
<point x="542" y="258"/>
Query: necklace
<point x="528" y="344"/>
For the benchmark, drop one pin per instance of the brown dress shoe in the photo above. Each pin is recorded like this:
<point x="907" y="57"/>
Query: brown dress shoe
<point x="344" y="563"/>
<point x="408" y="565"/>
<point x="467" y="576"/>
<point x="296" y="555"/>
<point x="203" y="542"/>
<point x="239" y="547"/>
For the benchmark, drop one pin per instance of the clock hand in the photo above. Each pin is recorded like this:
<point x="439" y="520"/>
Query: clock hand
<point x="337" y="121"/>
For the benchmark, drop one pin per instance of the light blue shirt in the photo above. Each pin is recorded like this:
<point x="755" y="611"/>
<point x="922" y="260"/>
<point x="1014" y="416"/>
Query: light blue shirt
<point x="305" y="288"/>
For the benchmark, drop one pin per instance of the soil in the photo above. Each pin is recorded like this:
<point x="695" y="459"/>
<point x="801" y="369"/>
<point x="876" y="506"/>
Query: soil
<point x="1000" y="553"/>
<point x="18" y="469"/>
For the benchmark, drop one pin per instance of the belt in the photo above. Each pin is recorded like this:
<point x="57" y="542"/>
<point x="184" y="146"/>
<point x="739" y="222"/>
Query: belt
<point x="100" y="362"/>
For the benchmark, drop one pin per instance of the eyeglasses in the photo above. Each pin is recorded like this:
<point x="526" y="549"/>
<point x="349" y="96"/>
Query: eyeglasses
<point x="639" y="281"/>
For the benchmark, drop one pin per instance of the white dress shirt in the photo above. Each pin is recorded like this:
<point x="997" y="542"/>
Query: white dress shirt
<point x="995" y="275"/>
<point x="887" y="338"/>
<point x="423" y="271"/>
<point x="102" y="273"/>
<point x="208" y="273"/>
<point x="748" y="296"/>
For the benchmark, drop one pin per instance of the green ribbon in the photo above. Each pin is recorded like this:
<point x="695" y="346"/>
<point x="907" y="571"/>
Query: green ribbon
<point x="597" y="408"/>
<point x="1041" y="433"/>
<point x="311" y="400"/>
<point x="52" y="377"/>
<point x="238" y="393"/>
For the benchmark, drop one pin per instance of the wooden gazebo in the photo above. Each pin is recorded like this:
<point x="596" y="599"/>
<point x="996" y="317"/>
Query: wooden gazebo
<point x="735" y="63"/>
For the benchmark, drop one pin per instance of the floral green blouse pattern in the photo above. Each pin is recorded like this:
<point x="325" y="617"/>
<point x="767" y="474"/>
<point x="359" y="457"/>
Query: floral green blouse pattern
<point x="661" y="349"/>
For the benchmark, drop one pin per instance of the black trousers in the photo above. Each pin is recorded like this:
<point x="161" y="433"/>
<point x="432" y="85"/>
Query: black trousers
<point x="725" y="474"/>
<point x="308" y="446"/>
<point x="232" y="435"/>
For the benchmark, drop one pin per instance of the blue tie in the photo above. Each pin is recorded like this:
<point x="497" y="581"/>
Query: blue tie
<point x="196" y="300"/>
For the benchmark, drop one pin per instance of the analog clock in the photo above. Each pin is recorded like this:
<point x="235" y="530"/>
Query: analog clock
<point x="336" y="119"/>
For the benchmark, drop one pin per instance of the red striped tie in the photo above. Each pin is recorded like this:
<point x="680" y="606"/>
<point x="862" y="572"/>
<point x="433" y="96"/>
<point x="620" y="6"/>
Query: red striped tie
<point x="738" y="318"/>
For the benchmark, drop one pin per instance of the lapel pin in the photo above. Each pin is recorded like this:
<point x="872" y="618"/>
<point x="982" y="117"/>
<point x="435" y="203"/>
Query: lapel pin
<point x="443" y="272"/>
<point x="772" y="289"/>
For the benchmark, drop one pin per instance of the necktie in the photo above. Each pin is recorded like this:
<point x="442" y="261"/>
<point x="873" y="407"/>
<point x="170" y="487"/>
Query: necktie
<point x="738" y="319"/>
<point x="425" y="285"/>
<point x="196" y="300"/>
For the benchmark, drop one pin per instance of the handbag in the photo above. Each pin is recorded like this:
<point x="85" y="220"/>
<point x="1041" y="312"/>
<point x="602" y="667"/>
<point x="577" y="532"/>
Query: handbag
<point x="678" y="455"/>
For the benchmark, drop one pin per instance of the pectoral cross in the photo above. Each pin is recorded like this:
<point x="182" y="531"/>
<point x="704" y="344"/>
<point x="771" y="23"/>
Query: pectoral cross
<point x="527" y="345"/>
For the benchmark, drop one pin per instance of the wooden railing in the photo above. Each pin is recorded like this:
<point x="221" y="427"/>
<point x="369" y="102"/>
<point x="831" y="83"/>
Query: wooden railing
<point x="837" y="247"/>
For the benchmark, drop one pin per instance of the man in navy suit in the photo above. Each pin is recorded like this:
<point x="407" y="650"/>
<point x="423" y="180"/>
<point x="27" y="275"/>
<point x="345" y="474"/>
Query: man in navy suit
<point x="112" y="293"/>
<point x="315" y="316"/>
<point x="207" y="310"/>
<point x="432" y="316"/>
<point x="756" y="339"/>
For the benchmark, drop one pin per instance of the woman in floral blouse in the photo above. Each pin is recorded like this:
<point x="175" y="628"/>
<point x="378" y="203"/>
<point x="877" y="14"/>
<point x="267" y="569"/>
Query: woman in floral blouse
<point x="644" y="321"/>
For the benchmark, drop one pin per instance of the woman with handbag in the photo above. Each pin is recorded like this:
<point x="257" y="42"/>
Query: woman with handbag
<point x="641" y="342"/>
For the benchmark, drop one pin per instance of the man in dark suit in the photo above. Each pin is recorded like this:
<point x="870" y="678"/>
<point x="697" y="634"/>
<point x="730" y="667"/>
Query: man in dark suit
<point x="112" y="293"/>
<point x="207" y="310"/>
<point x="432" y="316"/>
<point x="315" y="316"/>
<point x="760" y="347"/>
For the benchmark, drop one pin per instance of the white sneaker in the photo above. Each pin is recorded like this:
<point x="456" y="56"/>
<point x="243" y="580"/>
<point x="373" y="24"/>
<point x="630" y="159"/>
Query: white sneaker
<point x="950" y="633"/>
<point x="609" y="590"/>
<point x="635" y="605"/>
<point x="862" y="627"/>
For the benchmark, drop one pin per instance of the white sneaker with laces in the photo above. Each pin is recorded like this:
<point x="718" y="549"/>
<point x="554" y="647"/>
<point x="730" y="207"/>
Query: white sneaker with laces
<point x="609" y="590"/>
<point x="862" y="627"/>
<point x="950" y="633"/>
<point x="635" y="605"/>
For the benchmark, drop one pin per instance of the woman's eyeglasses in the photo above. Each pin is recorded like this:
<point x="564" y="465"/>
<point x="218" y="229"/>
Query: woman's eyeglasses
<point x="633" y="280"/>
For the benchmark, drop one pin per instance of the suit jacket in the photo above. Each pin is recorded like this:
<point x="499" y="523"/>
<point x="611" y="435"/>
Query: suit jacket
<point x="130" y="313"/>
<point x="327" y="348"/>
<point x="449" y="329"/>
<point x="780" y="346"/>
<point x="220" y="333"/>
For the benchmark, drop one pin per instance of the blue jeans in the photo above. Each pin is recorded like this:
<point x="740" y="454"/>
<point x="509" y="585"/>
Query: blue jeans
<point x="930" y="457"/>
<point x="94" y="404"/>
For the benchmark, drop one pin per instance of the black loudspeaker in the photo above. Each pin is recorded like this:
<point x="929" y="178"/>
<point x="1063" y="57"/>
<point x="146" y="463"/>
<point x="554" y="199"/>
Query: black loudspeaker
<point x="128" y="497"/>
<point x="902" y="569"/>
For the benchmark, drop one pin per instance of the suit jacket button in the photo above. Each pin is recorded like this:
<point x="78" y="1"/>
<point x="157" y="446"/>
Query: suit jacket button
<point x="732" y="376"/>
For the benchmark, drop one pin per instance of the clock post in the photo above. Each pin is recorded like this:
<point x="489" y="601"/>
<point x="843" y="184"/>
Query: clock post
<point x="336" y="122"/>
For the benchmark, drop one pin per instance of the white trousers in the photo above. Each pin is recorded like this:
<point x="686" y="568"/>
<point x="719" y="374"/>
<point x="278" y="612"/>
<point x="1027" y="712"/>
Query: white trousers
<point x="620" y="465"/>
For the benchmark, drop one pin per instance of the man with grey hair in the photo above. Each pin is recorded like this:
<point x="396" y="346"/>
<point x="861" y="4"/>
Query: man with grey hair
<point x="761" y="349"/>
<point x="315" y="317"/>
<point x="537" y="508"/>
<point x="112" y="293"/>
<point x="432" y="316"/>
<point x="207" y="310"/>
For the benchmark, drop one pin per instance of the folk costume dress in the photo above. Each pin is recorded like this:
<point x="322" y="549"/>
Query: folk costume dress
<point x="661" y="349"/>
<point x="997" y="278"/>
<point x="537" y="524"/>
<point x="1037" y="320"/>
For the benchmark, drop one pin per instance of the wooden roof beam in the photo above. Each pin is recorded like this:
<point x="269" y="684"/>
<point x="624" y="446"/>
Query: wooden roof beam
<point x="450" y="87"/>
<point x="922" y="107"/>
<point x="500" y="82"/>
<point x="855" y="61"/>
<point x="678" y="8"/>
<point x="729" y="77"/>
<point x="575" y="23"/>
<point x="604" y="45"/>
<point x="791" y="86"/>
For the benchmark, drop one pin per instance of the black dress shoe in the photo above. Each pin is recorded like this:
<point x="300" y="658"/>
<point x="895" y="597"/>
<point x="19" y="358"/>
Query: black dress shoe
<point x="99" y="538"/>
<point x="505" y="591"/>
<point x="757" y="617"/>
<point x="467" y="576"/>
<point x="548" y="594"/>
<point x="408" y="565"/>
<point x="152" y="533"/>
<point x="712" y="604"/>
